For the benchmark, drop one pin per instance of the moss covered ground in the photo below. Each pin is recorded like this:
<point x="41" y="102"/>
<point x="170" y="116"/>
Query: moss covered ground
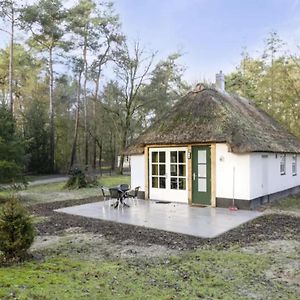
<point x="203" y="274"/>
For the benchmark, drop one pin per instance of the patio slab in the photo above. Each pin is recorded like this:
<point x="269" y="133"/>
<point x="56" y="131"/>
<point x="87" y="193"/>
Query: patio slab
<point x="205" y="222"/>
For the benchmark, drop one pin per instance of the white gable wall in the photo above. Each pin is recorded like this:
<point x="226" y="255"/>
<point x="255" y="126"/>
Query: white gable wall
<point x="226" y="187"/>
<point x="265" y="177"/>
<point x="138" y="171"/>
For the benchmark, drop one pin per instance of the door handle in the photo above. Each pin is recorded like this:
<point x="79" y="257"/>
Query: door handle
<point x="194" y="176"/>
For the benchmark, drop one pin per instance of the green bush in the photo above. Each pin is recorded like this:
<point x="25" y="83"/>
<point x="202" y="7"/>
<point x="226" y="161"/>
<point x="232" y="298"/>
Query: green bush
<point x="77" y="179"/>
<point x="2" y="199"/>
<point x="9" y="171"/>
<point x="16" y="231"/>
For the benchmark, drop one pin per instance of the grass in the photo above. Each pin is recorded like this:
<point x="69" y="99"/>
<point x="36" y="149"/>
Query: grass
<point x="203" y="274"/>
<point x="110" y="181"/>
<point x="56" y="192"/>
<point x="5" y="194"/>
<point x="289" y="204"/>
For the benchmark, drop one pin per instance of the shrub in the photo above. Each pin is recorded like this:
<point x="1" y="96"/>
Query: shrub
<point x="16" y="231"/>
<point x="2" y="199"/>
<point x="9" y="171"/>
<point x="77" y="179"/>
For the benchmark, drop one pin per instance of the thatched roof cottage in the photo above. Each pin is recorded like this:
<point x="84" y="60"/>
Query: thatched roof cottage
<point x="213" y="147"/>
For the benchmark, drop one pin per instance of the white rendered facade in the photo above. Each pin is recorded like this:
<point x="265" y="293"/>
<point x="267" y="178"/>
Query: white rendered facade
<point x="240" y="176"/>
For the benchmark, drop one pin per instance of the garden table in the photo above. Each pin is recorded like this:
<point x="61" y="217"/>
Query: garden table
<point x="119" y="192"/>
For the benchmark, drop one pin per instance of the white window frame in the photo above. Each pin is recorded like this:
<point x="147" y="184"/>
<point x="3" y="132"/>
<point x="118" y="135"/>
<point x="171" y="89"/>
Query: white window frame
<point x="177" y="165"/>
<point x="283" y="164"/>
<point x="168" y="194"/>
<point x="158" y="176"/>
<point x="294" y="164"/>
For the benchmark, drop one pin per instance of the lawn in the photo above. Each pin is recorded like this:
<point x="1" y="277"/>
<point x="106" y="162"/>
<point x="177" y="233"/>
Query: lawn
<point x="206" y="274"/>
<point x="291" y="203"/>
<point x="56" y="191"/>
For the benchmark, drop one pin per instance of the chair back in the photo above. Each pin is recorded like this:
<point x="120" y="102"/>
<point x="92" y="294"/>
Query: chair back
<point x="114" y="193"/>
<point x="124" y="187"/>
<point x="105" y="191"/>
<point x="136" y="190"/>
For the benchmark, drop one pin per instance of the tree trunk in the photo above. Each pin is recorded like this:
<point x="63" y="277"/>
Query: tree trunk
<point x="124" y="141"/>
<point x="94" y="117"/>
<point x="113" y="151"/>
<point x="100" y="157"/>
<point x="86" y="138"/>
<point x="74" y="146"/>
<point x="94" y="153"/>
<point x="51" y="112"/>
<point x="11" y="61"/>
<point x="123" y="146"/>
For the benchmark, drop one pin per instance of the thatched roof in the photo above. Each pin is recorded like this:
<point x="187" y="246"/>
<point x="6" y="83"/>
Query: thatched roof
<point x="209" y="115"/>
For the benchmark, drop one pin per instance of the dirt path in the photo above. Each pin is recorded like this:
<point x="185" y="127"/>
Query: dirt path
<point x="265" y="228"/>
<point x="53" y="179"/>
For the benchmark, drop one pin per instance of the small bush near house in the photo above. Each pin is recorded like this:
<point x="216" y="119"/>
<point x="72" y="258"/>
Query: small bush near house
<point x="77" y="179"/>
<point x="16" y="231"/>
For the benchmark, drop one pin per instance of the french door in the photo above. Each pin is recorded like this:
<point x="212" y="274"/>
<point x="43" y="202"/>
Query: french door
<point x="168" y="174"/>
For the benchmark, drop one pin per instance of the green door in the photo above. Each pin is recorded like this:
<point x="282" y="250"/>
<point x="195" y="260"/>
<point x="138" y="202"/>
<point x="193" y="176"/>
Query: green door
<point x="201" y="175"/>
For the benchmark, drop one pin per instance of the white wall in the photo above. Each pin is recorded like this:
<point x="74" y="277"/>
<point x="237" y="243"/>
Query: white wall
<point x="138" y="171"/>
<point x="265" y="177"/>
<point x="226" y="187"/>
<point x="255" y="176"/>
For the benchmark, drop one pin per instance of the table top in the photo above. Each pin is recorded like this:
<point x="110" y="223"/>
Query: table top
<point x="120" y="189"/>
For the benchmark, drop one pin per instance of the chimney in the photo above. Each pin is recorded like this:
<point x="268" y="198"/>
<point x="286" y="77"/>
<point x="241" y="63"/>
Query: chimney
<point x="220" y="81"/>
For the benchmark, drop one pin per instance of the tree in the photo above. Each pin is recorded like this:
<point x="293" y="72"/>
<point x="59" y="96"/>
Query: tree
<point x="27" y="83"/>
<point x="95" y="28"/>
<point x="132" y="71"/>
<point x="16" y="231"/>
<point x="247" y="78"/>
<point x="78" y="69"/>
<point x="44" y="20"/>
<point x="272" y="81"/>
<point x="11" y="147"/>
<point x="8" y="11"/>
<point x="273" y="45"/>
<point x="165" y="88"/>
<point x="108" y="37"/>
<point x="36" y="135"/>
<point x="81" y="22"/>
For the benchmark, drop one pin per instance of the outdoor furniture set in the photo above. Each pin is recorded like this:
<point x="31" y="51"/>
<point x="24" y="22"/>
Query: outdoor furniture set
<point x="120" y="193"/>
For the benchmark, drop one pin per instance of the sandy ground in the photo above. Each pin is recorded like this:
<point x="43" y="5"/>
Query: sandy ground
<point x="286" y="257"/>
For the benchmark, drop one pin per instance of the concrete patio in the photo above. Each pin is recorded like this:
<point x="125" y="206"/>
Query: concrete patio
<point x="204" y="222"/>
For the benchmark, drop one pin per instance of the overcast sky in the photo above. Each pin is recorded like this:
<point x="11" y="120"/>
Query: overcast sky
<point x="210" y="33"/>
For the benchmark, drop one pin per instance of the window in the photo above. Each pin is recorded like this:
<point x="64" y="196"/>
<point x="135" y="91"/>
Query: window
<point x="294" y="164"/>
<point x="178" y="170"/>
<point x="158" y="164"/>
<point x="282" y="164"/>
<point x="202" y="171"/>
